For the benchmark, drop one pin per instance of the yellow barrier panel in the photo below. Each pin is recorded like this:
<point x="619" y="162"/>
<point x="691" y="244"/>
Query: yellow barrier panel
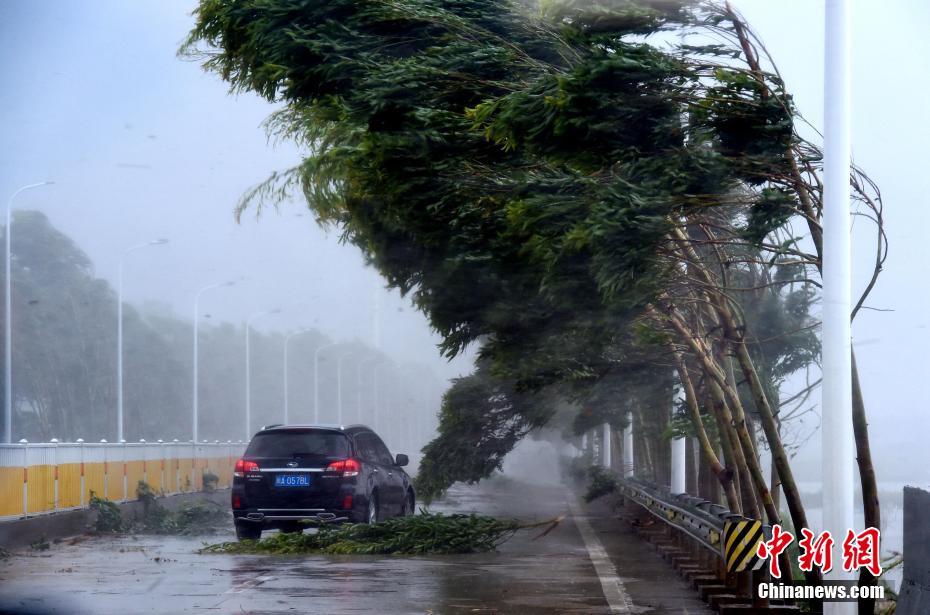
<point x="11" y="491"/>
<point x="134" y="474"/>
<point x="153" y="475"/>
<point x="184" y="472"/>
<point x="41" y="481"/>
<point x="69" y="485"/>
<point x="93" y="480"/>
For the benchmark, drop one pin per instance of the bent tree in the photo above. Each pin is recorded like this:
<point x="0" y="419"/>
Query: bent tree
<point x="564" y="187"/>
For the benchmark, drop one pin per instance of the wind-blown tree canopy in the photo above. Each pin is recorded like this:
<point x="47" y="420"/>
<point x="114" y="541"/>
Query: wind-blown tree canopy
<point x="548" y="182"/>
<point x="485" y="158"/>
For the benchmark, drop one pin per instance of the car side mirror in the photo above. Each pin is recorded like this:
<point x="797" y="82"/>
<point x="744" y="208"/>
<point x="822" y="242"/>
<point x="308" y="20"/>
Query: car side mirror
<point x="401" y="460"/>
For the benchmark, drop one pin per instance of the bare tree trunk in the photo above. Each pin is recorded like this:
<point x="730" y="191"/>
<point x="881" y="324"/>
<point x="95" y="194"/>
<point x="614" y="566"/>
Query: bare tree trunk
<point x="867" y="479"/>
<point x="870" y="502"/>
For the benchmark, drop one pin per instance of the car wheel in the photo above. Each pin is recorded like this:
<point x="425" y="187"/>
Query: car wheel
<point x="408" y="505"/>
<point x="248" y="531"/>
<point x="372" y="517"/>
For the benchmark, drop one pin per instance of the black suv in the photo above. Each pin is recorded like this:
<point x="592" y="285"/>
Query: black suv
<point x="293" y="473"/>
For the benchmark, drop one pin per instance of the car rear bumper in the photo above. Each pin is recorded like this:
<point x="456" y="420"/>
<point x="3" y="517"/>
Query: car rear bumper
<point x="267" y="517"/>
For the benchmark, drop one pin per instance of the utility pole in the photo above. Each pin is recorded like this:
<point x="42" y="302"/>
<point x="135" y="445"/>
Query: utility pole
<point x="316" y="381"/>
<point x="248" y="369"/>
<point x="339" y="384"/>
<point x="195" y="408"/>
<point x="287" y="342"/>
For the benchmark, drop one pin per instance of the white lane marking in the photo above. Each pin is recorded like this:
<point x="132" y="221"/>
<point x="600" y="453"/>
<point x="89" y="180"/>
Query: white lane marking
<point x="617" y="599"/>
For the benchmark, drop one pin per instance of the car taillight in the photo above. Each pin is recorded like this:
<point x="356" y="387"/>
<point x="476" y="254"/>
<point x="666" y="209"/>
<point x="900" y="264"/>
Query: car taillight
<point x="347" y="503"/>
<point x="236" y="502"/>
<point x="346" y="467"/>
<point x="243" y="466"/>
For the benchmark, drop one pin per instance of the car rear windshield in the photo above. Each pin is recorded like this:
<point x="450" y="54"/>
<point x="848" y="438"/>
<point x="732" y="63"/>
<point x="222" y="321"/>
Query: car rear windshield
<point x="304" y="443"/>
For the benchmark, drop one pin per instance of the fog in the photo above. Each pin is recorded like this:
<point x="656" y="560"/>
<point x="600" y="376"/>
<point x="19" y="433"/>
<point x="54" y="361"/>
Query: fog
<point x="142" y="145"/>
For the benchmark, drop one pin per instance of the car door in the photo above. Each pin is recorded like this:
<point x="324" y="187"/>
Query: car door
<point x="377" y="474"/>
<point x="393" y="480"/>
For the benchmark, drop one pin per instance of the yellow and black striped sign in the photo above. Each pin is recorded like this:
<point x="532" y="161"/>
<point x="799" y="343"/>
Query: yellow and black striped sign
<point x="740" y="541"/>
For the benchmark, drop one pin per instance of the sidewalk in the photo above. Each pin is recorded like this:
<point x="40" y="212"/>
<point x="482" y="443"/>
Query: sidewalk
<point x="650" y="583"/>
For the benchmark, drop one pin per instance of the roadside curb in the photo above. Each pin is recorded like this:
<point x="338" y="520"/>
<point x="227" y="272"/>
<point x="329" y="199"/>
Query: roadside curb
<point x="20" y="533"/>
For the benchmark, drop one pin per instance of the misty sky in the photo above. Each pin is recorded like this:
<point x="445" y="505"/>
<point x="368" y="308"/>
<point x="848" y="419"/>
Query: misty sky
<point x="143" y="145"/>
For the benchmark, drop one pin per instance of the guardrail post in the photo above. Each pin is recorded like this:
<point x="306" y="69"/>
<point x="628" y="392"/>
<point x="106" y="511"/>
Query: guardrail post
<point x="106" y="470"/>
<point x="229" y="463"/>
<point x="54" y="441"/>
<point x="125" y="476"/>
<point x="757" y="577"/>
<point x="25" y="443"/>
<point x="193" y="476"/>
<point x="80" y="442"/>
<point x="177" y="466"/>
<point x="628" y="468"/>
<point x="145" y="462"/>
<point x="161" y="454"/>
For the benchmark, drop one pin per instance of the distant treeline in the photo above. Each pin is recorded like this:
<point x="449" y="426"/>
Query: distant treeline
<point x="65" y="351"/>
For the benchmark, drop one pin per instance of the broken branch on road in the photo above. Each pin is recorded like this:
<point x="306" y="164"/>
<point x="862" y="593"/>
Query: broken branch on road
<point x="423" y="534"/>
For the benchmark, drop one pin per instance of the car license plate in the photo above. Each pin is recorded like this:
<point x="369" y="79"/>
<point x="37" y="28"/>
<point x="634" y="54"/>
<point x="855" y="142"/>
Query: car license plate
<point x="292" y="480"/>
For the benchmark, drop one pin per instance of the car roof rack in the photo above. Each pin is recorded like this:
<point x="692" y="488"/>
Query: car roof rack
<point x="264" y="427"/>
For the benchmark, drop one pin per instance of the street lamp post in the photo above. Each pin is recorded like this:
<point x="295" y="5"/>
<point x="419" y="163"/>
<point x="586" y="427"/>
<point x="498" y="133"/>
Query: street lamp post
<point x="195" y="412"/>
<point x="8" y="338"/>
<point x="287" y="342"/>
<point x="248" y="369"/>
<point x="316" y="381"/>
<point x="339" y="384"/>
<point x="358" y="379"/>
<point x="119" y="333"/>
<point x="836" y="404"/>
<point x="377" y="404"/>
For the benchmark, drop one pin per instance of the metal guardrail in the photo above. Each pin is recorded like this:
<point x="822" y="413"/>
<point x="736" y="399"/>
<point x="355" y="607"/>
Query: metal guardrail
<point x="712" y="547"/>
<point x="700" y="519"/>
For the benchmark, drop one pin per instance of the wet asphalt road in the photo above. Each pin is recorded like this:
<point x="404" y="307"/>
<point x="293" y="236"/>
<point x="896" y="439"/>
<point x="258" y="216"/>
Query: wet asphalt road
<point x="159" y="574"/>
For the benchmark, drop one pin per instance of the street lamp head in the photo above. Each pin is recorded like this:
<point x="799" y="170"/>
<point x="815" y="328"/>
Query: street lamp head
<point x="158" y="242"/>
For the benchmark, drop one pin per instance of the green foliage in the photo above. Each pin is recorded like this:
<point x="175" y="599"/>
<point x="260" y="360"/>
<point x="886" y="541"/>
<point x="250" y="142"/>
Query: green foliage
<point x="480" y="422"/>
<point x="517" y="175"/>
<point x="41" y="544"/>
<point x="576" y="468"/>
<point x="109" y="519"/>
<point x="601" y="482"/>
<point x="189" y="519"/>
<point x="423" y="534"/>
<point x="210" y="480"/>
